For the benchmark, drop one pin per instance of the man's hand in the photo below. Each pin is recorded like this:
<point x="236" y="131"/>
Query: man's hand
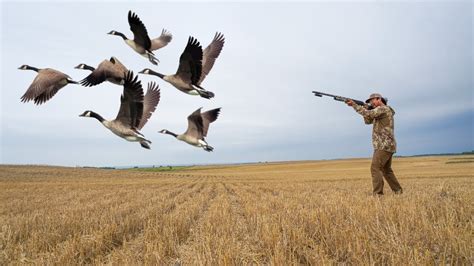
<point x="350" y="102"/>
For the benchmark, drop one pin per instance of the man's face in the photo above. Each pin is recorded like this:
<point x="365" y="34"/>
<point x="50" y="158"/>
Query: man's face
<point x="375" y="102"/>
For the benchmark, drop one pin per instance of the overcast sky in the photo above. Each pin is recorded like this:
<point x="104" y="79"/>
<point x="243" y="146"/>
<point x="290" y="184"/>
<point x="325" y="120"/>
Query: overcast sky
<point x="419" y="55"/>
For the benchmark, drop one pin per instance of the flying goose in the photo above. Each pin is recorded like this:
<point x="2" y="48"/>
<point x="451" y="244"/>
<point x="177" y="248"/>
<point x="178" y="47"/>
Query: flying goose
<point x="198" y="125"/>
<point x="45" y="85"/>
<point x="194" y="66"/>
<point x="135" y="110"/>
<point x="141" y="43"/>
<point x="111" y="70"/>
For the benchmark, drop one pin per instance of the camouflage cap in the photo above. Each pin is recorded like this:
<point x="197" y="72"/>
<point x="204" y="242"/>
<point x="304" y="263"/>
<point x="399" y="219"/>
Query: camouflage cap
<point x="376" y="95"/>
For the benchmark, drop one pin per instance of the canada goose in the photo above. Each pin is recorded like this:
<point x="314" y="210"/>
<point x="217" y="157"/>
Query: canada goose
<point x="111" y="70"/>
<point x="141" y="43"/>
<point x="198" y="124"/>
<point x="45" y="85"/>
<point x="194" y="66"/>
<point x="135" y="110"/>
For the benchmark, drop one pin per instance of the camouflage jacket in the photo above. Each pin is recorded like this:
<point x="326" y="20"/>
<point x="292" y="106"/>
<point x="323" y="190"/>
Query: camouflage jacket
<point x="383" y="135"/>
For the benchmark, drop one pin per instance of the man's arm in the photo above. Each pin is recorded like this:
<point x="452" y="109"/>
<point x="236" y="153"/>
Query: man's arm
<point x="369" y="115"/>
<point x="359" y="109"/>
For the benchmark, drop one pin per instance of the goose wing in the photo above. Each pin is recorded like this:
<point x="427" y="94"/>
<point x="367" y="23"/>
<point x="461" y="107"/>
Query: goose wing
<point x="140" y="34"/>
<point x="151" y="100"/>
<point x="209" y="117"/>
<point x="45" y="85"/>
<point x="195" y="125"/>
<point x="210" y="55"/>
<point x="161" y="41"/>
<point x="190" y="62"/>
<point x="131" y="102"/>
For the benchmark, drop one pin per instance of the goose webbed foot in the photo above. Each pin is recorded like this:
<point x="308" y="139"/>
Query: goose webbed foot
<point x="153" y="59"/>
<point x="208" y="148"/>
<point x="206" y="94"/>
<point x="145" y="145"/>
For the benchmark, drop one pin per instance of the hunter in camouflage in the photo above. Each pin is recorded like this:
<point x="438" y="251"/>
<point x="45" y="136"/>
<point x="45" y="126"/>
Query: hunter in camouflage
<point x="383" y="141"/>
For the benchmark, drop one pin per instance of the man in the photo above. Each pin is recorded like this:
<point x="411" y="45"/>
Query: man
<point x="383" y="140"/>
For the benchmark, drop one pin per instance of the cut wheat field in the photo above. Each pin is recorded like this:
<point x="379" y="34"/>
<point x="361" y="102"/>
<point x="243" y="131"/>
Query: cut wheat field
<point x="310" y="212"/>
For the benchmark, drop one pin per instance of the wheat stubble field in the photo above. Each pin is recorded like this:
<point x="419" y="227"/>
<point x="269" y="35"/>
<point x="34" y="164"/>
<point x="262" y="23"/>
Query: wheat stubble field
<point x="314" y="212"/>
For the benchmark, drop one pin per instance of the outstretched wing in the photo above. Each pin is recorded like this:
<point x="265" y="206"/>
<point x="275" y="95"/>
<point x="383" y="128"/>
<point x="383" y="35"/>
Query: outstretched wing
<point x="209" y="117"/>
<point x="190" y="62"/>
<point x="140" y="34"/>
<point x="131" y="102"/>
<point x="161" y="41"/>
<point x="195" y="125"/>
<point x="210" y="55"/>
<point x="151" y="100"/>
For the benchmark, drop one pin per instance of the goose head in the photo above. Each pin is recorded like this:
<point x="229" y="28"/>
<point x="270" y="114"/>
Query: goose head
<point x="116" y="33"/>
<point x="164" y="131"/>
<point x="27" y="67"/>
<point x="86" y="114"/>
<point x="148" y="71"/>
<point x="92" y="114"/>
<point x="84" y="66"/>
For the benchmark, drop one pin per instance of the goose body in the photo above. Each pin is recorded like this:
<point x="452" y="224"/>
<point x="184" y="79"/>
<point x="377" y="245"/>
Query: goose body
<point x="45" y="85"/>
<point x="111" y="70"/>
<point x="135" y="110"/>
<point x="141" y="42"/>
<point x="194" y="66"/>
<point x="198" y="125"/>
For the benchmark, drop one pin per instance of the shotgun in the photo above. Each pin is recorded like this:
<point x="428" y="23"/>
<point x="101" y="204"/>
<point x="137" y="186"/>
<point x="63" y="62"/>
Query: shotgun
<point x="342" y="99"/>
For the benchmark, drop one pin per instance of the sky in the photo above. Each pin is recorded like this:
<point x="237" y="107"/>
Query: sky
<point x="417" y="54"/>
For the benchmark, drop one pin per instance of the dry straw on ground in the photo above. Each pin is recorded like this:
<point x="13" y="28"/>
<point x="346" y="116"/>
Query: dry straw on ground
<point x="286" y="213"/>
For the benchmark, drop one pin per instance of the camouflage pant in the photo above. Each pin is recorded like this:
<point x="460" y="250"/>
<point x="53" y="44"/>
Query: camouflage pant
<point x="382" y="167"/>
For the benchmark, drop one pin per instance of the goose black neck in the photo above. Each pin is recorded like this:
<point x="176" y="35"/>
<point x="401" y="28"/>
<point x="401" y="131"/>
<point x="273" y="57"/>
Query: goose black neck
<point x="121" y="35"/>
<point x="32" y="68"/>
<point x="97" y="116"/>
<point x="89" y="67"/>
<point x="171" y="133"/>
<point x="157" y="74"/>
